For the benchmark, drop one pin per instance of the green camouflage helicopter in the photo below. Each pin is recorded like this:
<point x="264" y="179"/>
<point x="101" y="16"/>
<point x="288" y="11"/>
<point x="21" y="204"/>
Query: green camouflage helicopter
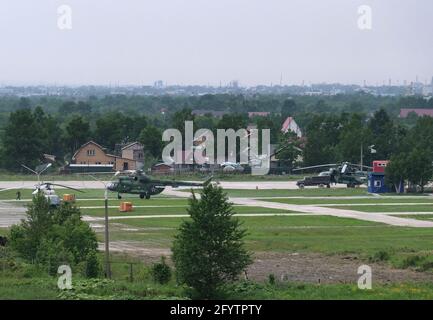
<point x="136" y="182"/>
<point x="345" y="173"/>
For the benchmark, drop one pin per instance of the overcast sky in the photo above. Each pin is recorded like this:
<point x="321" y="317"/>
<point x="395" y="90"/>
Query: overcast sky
<point x="208" y="41"/>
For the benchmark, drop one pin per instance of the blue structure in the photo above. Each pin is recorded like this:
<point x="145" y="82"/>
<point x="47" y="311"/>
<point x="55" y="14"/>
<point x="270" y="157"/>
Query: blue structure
<point x="376" y="183"/>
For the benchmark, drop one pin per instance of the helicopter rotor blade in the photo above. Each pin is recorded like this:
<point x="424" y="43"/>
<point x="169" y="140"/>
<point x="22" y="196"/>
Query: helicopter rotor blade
<point x="358" y="165"/>
<point x="63" y="186"/>
<point x="18" y="188"/>
<point x="318" y="166"/>
<point x="31" y="170"/>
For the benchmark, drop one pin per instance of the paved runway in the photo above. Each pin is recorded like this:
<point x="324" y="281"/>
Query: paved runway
<point x="10" y="214"/>
<point x="312" y="209"/>
<point x="289" y="185"/>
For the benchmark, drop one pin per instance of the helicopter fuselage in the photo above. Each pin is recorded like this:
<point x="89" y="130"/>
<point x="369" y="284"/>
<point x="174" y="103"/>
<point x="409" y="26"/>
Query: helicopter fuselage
<point x="131" y="186"/>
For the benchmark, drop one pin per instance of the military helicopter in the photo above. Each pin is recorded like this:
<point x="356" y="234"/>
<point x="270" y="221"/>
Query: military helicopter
<point x="136" y="182"/>
<point x="345" y="173"/>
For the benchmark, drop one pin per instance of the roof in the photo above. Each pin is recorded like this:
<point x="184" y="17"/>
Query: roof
<point x="287" y="123"/>
<point x="214" y="113"/>
<point x="87" y="143"/>
<point x="258" y="114"/>
<point x="161" y="164"/>
<point x="130" y="145"/>
<point x="404" y="112"/>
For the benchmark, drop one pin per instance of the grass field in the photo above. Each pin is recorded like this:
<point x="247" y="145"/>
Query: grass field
<point x="324" y="234"/>
<point x="390" y="208"/>
<point x="143" y="288"/>
<point x="45" y="288"/>
<point x="353" y="202"/>
<point x="399" y="247"/>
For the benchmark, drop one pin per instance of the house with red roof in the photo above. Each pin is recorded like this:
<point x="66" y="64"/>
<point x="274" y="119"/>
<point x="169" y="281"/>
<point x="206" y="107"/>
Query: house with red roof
<point x="291" y="125"/>
<point x="419" y="111"/>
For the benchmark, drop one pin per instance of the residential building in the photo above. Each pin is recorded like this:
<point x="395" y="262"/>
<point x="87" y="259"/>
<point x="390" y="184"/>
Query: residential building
<point x="258" y="114"/>
<point x="291" y="125"/>
<point x="134" y="151"/>
<point x="216" y="114"/>
<point x="92" y="156"/>
<point x="419" y="111"/>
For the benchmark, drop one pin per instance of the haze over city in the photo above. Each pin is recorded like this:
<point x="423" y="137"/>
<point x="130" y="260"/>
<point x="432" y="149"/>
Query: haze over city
<point x="215" y="42"/>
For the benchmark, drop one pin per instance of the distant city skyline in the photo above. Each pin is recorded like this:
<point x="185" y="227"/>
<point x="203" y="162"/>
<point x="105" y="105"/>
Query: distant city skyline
<point x="195" y="42"/>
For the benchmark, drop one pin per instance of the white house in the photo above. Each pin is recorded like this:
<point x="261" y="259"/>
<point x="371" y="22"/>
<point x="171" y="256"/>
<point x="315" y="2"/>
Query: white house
<point x="291" y="125"/>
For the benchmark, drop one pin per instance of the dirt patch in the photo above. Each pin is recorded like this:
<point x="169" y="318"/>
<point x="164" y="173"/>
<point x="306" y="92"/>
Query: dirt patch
<point x="318" y="268"/>
<point x="293" y="267"/>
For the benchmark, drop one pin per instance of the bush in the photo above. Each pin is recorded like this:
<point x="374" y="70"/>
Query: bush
<point x="93" y="267"/>
<point x="271" y="279"/>
<point x="161" y="272"/>
<point x="411" y="261"/>
<point x="54" y="236"/>
<point x="380" y="256"/>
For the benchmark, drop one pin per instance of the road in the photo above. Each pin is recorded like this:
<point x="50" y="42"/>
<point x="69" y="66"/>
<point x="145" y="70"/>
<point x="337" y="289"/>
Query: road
<point x="10" y="213"/>
<point x="341" y="213"/>
<point x="289" y="185"/>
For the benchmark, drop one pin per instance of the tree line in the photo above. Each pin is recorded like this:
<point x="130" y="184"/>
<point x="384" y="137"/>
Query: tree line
<point x="335" y="128"/>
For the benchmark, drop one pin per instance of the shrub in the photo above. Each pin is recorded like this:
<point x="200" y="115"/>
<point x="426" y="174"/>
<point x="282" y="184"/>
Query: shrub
<point x="380" y="256"/>
<point x="161" y="272"/>
<point x="93" y="267"/>
<point x="53" y="236"/>
<point x="271" y="279"/>
<point x="411" y="261"/>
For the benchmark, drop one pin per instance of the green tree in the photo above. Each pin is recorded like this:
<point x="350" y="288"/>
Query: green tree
<point x="352" y="136"/>
<point x="289" y="147"/>
<point x="419" y="169"/>
<point x="77" y="133"/>
<point x="233" y="121"/>
<point x="323" y="134"/>
<point x="288" y="109"/>
<point x="151" y="139"/>
<point x="396" y="171"/>
<point x="208" y="250"/>
<point x="22" y="140"/>
<point x="179" y="118"/>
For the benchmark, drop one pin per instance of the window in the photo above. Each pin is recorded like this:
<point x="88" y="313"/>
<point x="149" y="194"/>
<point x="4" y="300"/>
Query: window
<point x="91" y="152"/>
<point x="377" y="183"/>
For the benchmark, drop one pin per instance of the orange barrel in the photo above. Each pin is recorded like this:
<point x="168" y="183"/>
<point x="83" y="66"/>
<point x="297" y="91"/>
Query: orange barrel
<point x="69" y="197"/>
<point x="125" y="206"/>
<point x="128" y="206"/>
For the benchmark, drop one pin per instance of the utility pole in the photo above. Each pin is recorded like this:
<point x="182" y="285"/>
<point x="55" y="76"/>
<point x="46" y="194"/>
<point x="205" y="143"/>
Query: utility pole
<point x="106" y="232"/>
<point x="107" y="240"/>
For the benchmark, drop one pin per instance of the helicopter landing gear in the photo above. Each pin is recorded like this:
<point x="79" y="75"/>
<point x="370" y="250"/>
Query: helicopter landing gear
<point x="144" y="195"/>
